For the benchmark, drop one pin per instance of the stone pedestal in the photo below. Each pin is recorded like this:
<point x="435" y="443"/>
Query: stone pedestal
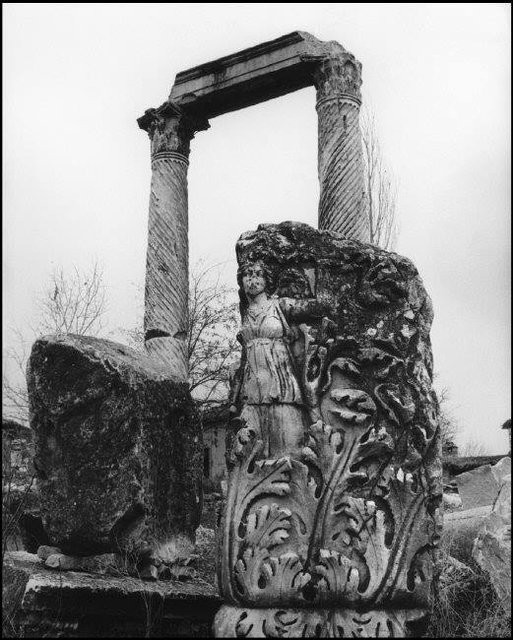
<point x="42" y="603"/>
<point x="167" y="264"/>
<point x="335" y="534"/>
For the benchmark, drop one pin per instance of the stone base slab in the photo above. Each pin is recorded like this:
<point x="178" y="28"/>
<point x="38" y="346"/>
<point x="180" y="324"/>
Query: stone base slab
<point x="69" y="604"/>
<point x="240" y="622"/>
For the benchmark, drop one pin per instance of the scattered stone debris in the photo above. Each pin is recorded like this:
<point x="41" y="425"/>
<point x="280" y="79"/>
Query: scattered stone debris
<point x="492" y="547"/>
<point x="479" y="487"/>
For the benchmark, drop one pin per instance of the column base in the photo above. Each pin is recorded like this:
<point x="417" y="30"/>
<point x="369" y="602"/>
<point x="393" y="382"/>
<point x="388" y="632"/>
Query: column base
<point x="243" y="622"/>
<point x="45" y="603"/>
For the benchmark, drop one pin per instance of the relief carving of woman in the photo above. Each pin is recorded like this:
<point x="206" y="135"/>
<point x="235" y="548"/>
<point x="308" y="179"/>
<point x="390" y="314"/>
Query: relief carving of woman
<point x="267" y="389"/>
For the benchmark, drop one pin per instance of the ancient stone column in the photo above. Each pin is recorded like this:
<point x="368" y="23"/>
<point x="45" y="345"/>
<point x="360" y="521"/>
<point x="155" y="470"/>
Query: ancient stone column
<point x="337" y="79"/>
<point x="167" y="262"/>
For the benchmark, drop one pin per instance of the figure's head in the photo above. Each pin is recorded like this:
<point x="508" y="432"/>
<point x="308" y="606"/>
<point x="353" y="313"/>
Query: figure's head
<point x="254" y="278"/>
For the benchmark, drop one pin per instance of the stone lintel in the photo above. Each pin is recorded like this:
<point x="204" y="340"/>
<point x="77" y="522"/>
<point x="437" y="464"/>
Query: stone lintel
<point x="268" y="70"/>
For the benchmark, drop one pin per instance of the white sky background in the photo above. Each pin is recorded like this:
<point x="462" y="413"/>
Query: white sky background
<point x="77" y="168"/>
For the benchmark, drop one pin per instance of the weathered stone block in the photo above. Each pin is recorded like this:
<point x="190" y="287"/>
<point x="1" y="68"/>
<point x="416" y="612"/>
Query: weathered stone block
<point x="492" y="547"/>
<point x="480" y="487"/>
<point x="502" y="471"/>
<point x="118" y="449"/>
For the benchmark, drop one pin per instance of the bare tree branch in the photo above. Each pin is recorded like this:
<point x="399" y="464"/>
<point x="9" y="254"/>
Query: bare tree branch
<point x="213" y="324"/>
<point x="70" y="303"/>
<point x="380" y="187"/>
<point x="472" y="447"/>
<point x="211" y="334"/>
<point x="449" y="425"/>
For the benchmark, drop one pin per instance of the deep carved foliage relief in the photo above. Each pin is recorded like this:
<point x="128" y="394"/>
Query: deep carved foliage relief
<point x="339" y="537"/>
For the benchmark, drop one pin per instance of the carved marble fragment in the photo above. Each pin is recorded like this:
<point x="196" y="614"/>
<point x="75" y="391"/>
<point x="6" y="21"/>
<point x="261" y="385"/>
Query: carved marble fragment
<point x="333" y="511"/>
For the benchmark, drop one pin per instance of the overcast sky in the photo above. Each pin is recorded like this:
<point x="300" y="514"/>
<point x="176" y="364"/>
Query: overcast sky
<point x="77" y="168"/>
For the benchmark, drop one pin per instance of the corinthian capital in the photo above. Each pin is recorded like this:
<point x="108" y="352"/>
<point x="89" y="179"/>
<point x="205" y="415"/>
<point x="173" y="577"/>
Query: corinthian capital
<point x="170" y="130"/>
<point x="338" y="76"/>
<point x="336" y="72"/>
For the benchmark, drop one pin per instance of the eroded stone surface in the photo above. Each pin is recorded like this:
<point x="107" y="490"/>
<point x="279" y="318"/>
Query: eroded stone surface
<point x="334" y="492"/>
<point x="118" y="449"/>
<point x="239" y="622"/>
<point x="502" y="471"/>
<point x="479" y="487"/>
<point x="492" y="548"/>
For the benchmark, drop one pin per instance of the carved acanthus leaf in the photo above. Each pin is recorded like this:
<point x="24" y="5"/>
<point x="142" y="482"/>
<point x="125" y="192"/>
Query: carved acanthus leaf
<point x="313" y="623"/>
<point x="336" y="576"/>
<point x="267" y="526"/>
<point x="396" y="402"/>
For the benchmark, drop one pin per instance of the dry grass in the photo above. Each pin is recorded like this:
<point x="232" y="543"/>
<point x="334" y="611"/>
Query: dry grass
<point x="467" y="605"/>
<point x="12" y="595"/>
<point x="13" y="503"/>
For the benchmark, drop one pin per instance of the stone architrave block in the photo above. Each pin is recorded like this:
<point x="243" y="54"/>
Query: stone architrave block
<point x="118" y="449"/>
<point x="480" y="487"/>
<point x="247" y="77"/>
<point x="333" y="511"/>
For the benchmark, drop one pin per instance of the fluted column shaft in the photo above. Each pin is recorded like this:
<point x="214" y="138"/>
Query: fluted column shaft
<point x="167" y="259"/>
<point x="337" y="79"/>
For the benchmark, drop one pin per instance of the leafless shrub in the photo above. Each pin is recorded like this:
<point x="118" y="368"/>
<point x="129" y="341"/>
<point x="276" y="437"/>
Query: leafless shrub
<point x="449" y="426"/>
<point x="71" y="303"/>
<point x="473" y="447"/>
<point x="211" y="334"/>
<point x="380" y="187"/>
<point x="212" y="344"/>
